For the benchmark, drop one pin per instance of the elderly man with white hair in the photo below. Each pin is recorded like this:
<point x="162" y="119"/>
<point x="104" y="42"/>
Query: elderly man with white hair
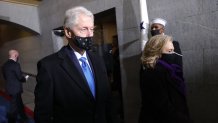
<point x="72" y="84"/>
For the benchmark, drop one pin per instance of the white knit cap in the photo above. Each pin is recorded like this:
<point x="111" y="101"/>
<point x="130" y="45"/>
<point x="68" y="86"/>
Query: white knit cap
<point x="159" y="21"/>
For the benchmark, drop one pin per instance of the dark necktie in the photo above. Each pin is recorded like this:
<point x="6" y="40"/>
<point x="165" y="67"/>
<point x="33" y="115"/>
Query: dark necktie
<point x="88" y="74"/>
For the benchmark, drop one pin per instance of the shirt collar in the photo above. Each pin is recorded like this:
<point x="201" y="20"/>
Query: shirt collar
<point x="78" y="56"/>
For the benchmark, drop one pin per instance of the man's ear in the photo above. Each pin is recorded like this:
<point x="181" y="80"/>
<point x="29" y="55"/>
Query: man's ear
<point x="67" y="32"/>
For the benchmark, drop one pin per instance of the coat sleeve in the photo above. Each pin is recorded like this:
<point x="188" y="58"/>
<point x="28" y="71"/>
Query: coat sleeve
<point x="110" y="110"/>
<point x="18" y="73"/>
<point x="43" y="95"/>
<point x="111" y="114"/>
<point x="177" y="49"/>
<point x="155" y="94"/>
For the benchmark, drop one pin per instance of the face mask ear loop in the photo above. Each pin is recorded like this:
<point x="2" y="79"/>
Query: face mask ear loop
<point x="177" y="54"/>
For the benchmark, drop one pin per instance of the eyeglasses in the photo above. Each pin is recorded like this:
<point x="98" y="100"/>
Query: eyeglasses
<point x="86" y="30"/>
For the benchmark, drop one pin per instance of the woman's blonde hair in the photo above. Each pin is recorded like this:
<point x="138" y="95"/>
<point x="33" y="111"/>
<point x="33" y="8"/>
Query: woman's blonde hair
<point x="153" y="50"/>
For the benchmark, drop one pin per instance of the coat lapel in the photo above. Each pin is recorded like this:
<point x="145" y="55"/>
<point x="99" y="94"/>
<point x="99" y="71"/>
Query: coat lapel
<point x="99" y="73"/>
<point x="71" y="65"/>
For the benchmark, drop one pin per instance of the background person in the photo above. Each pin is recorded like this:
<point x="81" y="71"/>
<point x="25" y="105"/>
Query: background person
<point x="158" y="28"/>
<point x="117" y="73"/>
<point x="14" y="78"/>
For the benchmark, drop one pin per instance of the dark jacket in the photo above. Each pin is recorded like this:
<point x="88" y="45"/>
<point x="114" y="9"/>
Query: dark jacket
<point x="162" y="99"/>
<point x="62" y="94"/>
<point x="13" y="76"/>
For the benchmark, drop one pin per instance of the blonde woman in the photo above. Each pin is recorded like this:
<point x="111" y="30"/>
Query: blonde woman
<point x="162" y="84"/>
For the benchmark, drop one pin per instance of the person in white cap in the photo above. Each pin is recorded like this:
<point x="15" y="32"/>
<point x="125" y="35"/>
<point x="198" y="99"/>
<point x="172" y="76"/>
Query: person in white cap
<point x="158" y="28"/>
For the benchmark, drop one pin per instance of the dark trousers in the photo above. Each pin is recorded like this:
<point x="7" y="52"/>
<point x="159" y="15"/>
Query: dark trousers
<point x="16" y="109"/>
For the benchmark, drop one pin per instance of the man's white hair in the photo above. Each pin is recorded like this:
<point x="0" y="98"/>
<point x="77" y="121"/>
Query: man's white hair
<point x="71" y="15"/>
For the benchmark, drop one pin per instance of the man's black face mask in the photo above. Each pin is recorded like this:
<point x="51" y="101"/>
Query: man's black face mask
<point x="83" y="42"/>
<point x="155" y="32"/>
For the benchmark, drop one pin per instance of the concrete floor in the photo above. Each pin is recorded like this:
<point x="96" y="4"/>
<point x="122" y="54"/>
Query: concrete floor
<point x="28" y="99"/>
